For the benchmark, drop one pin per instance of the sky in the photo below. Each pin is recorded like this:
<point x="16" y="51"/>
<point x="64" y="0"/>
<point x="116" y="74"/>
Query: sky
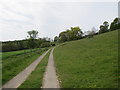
<point x="50" y="17"/>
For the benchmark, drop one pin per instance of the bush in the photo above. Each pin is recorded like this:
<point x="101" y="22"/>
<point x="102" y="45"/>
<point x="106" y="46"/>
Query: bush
<point x="45" y="44"/>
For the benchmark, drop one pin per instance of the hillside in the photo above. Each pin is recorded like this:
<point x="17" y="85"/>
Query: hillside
<point x="89" y="62"/>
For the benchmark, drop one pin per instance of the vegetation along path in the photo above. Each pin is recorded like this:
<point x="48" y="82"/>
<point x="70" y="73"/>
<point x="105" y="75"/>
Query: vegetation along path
<point x="22" y="76"/>
<point x="50" y="79"/>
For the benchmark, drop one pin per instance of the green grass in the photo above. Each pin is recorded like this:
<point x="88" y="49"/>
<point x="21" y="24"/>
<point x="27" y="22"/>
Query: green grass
<point x="6" y="55"/>
<point x="89" y="62"/>
<point x="36" y="77"/>
<point x="16" y="63"/>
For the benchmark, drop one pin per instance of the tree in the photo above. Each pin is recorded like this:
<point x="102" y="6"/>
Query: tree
<point x="106" y="25"/>
<point x="112" y="26"/>
<point x="45" y="44"/>
<point x="20" y="44"/>
<point x="115" y="24"/>
<point x="32" y="36"/>
<point x="73" y="33"/>
<point x="76" y="33"/>
<point x="39" y="42"/>
<point x="56" y="39"/>
<point x="63" y="36"/>
<point x="102" y="29"/>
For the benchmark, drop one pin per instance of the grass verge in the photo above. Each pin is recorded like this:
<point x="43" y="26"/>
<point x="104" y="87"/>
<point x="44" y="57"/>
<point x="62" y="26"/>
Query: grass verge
<point x="88" y="63"/>
<point x="36" y="77"/>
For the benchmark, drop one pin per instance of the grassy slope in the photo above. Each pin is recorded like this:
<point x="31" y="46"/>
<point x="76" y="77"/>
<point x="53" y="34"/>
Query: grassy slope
<point x="36" y="77"/>
<point x="13" y="65"/>
<point x="88" y="63"/>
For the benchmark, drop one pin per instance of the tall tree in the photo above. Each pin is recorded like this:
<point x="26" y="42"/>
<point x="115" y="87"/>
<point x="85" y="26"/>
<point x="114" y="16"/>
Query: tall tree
<point x="32" y="36"/>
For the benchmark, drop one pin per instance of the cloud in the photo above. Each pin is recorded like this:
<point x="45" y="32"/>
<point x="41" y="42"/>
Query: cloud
<point x="18" y="17"/>
<point x="51" y="17"/>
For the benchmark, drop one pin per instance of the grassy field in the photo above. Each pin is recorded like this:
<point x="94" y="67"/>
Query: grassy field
<point x="89" y="62"/>
<point x="36" y="77"/>
<point x="13" y="63"/>
<point x="6" y="55"/>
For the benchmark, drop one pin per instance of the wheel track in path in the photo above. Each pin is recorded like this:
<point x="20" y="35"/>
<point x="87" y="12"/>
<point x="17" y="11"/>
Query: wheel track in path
<point x="50" y="78"/>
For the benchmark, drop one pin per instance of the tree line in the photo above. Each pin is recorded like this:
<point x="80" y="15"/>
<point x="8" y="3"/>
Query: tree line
<point x="75" y="33"/>
<point x="30" y="42"/>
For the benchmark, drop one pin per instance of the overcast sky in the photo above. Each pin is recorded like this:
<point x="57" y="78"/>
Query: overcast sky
<point x="50" y="17"/>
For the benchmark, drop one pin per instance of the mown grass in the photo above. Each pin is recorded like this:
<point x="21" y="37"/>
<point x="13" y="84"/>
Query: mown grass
<point x="88" y="63"/>
<point x="36" y="77"/>
<point x="13" y="65"/>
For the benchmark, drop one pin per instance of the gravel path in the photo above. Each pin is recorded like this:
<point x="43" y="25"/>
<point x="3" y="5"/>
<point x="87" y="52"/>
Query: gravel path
<point x="22" y="76"/>
<point x="50" y="79"/>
